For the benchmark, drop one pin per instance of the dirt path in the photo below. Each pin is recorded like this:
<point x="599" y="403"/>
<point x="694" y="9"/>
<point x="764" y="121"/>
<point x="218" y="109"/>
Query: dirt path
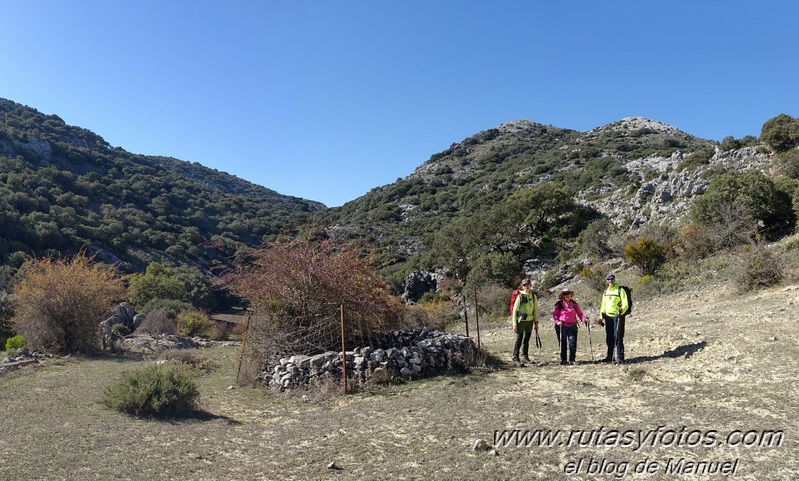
<point x="699" y="369"/>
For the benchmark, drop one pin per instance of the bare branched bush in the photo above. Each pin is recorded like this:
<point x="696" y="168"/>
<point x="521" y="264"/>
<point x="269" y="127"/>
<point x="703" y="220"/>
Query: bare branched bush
<point x="435" y="314"/>
<point x="695" y="242"/>
<point x="734" y="225"/>
<point x="61" y="301"/>
<point x="183" y="357"/>
<point x="760" y="267"/>
<point x="158" y="322"/>
<point x="295" y="291"/>
<point x="494" y="303"/>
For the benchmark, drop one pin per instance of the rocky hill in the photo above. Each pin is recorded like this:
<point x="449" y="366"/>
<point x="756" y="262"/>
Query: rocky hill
<point x="64" y="188"/>
<point x="635" y="171"/>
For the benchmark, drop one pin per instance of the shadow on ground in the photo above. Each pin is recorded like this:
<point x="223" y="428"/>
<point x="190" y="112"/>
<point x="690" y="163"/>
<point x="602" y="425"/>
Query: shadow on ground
<point x="686" y="350"/>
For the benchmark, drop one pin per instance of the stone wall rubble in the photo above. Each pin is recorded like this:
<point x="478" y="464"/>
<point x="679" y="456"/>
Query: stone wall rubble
<point x="406" y="354"/>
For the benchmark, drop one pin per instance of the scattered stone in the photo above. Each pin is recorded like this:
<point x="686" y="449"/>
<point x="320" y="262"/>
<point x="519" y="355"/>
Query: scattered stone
<point x="481" y="445"/>
<point x="772" y="338"/>
<point x="335" y="466"/>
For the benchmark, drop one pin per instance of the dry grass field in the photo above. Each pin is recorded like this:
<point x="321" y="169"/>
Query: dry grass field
<point x="710" y="384"/>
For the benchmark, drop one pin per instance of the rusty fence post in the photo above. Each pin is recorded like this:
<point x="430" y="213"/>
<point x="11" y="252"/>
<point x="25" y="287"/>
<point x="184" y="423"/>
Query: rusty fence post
<point x="343" y="350"/>
<point x="465" y="313"/>
<point x="476" y="317"/>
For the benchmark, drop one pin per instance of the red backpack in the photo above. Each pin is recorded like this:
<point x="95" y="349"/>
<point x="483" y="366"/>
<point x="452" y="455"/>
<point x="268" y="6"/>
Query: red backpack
<point x="513" y="297"/>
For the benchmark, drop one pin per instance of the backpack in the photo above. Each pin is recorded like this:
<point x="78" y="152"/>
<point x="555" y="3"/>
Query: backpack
<point x="513" y="297"/>
<point x="629" y="292"/>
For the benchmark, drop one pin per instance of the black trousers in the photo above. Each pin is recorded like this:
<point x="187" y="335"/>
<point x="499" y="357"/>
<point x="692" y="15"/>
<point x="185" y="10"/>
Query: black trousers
<point x="610" y="336"/>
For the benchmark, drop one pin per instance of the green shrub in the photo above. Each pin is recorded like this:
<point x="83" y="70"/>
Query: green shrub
<point x="6" y="307"/>
<point x="595" y="278"/>
<point x="193" y="323"/>
<point x="158" y="282"/>
<point x="14" y="343"/>
<point x="735" y="203"/>
<point x="697" y="159"/>
<point x="552" y="277"/>
<point x="645" y="280"/>
<point x="170" y="307"/>
<point x="781" y="133"/>
<point x="120" y="330"/>
<point x="153" y="391"/>
<point x="593" y="241"/>
<point x="433" y="296"/>
<point x="791" y="245"/>
<point x="647" y="254"/>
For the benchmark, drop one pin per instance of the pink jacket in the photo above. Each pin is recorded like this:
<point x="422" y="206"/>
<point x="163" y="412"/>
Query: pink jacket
<point x="568" y="313"/>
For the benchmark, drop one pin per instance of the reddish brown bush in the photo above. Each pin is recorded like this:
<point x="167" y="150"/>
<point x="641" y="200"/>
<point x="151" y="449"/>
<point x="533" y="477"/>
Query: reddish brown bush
<point x="296" y="290"/>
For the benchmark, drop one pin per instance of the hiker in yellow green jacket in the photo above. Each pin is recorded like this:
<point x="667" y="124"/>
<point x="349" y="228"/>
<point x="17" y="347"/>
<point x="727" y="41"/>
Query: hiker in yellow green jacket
<point x="613" y="308"/>
<point x="525" y="319"/>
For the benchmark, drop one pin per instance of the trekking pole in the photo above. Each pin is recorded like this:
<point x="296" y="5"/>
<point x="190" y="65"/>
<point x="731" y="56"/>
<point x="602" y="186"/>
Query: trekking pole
<point x="590" y="343"/>
<point x="537" y="339"/>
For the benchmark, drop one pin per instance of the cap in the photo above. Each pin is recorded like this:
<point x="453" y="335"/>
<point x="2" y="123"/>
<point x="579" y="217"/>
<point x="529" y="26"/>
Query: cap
<point x="611" y="277"/>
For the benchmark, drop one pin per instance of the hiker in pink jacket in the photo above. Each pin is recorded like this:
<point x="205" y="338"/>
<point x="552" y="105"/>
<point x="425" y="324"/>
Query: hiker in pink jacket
<point x="566" y="315"/>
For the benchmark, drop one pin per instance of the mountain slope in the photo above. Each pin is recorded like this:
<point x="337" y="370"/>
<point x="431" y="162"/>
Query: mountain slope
<point x="63" y="188"/>
<point x="635" y="170"/>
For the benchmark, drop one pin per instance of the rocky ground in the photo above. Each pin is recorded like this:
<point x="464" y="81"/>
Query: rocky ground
<point x="710" y="386"/>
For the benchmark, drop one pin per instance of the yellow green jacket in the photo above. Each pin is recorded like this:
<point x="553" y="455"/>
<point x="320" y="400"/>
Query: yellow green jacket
<point x="614" y="301"/>
<point x="525" y="304"/>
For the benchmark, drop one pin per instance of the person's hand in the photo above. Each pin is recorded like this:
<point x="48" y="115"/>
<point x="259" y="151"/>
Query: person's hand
<point x="515" y="328"/>
<point x="536" y="325"/>
<point x="558" y="323"/>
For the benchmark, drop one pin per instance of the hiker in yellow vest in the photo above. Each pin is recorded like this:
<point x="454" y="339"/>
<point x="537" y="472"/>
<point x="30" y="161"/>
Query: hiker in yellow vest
<point x="525" y="319"/>
<point x="613" y="306"/>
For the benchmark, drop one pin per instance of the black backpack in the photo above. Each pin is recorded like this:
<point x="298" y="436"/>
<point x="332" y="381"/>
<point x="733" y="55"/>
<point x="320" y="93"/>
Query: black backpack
<point x="629" y="292"/>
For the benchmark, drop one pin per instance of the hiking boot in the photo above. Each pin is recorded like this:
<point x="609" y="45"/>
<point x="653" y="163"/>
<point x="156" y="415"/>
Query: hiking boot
<point x="607" y="359"/>
<point x="518" y="363"/>
<point x="526" y="358"/>
<point x="564" y="363"/>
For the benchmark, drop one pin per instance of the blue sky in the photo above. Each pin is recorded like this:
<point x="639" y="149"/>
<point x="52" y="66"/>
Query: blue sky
<point x="328" y="99"/>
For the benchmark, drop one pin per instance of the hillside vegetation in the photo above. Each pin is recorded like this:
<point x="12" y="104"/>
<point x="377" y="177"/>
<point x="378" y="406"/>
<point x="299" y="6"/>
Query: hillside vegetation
<point x="489" y="204"/>
<point x="63" y="189"/>
<point x="522" y="199"/>
<point x="700" y="229"/>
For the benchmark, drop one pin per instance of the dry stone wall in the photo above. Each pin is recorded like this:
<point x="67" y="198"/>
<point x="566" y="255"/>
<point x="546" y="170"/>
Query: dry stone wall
<point x="406" y="354"/>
